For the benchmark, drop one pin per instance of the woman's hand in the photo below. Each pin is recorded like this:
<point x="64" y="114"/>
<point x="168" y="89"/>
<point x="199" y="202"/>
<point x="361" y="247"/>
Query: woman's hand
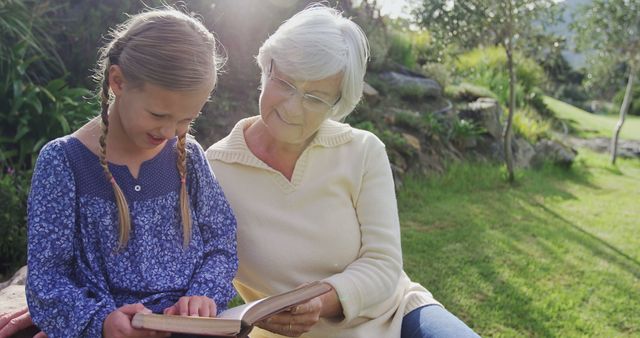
<point x="296" y="321"/>
<point x="118" y="323"/>
<point x="12" y="322"/>
<point x="193" y="306"/>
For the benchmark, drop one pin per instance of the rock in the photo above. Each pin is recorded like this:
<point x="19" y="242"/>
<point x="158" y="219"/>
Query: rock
<point x="626" y="148"/>
<point x="484" y="112"/>
<point x="12" y="298"/>
<point x="412" y="141"/>
<point x="12" y="295"/>
<point x="369" y="91"/>
<point x="412" y="86"/>
<point x="523" y="153"/>
<point x="18" y="278"/>
<point x="553" y="152"/>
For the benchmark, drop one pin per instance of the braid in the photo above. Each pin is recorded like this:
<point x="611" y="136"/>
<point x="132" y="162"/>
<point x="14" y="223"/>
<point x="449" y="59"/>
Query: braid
<point x="124" y="219"/>
<point x="185" y="212"/>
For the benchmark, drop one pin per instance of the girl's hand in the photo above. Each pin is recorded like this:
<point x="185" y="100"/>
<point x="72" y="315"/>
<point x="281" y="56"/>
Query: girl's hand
<point x="202" y="306"/>
<point x="13" y="322"/>
<point x="296" y="321"/>
<point x="118" y="323"/>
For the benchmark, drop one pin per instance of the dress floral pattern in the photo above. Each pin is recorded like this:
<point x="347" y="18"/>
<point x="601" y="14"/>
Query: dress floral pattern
<point x="77" y="273"/>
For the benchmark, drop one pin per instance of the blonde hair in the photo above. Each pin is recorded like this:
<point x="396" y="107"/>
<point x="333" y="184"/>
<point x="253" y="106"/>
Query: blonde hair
<point x="316" y="43"/>
<point x="163" y="47"/>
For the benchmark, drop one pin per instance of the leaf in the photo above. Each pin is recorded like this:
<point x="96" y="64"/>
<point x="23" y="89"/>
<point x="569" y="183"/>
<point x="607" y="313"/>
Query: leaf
<point x="35" y="103"/>
<point x="22" y="130"/>
<point x="38" y="145"/>
<point x="63" y="123"/>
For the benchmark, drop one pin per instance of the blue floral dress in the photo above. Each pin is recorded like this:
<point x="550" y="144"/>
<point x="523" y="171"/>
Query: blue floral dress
<point x="77" y="274"/>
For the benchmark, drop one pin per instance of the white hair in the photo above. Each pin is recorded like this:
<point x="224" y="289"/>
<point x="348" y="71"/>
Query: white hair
<point x="316" y="43"/>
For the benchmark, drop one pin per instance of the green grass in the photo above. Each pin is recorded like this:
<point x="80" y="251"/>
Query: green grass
<point x="557" y="255"/>
<point x="591" y="125"/>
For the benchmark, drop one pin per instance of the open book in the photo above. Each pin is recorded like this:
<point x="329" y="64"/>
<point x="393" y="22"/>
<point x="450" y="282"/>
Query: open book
<point x="234" y="322"/>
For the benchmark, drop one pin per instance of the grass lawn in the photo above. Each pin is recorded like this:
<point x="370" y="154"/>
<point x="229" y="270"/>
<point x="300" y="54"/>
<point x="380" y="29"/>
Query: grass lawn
<point x="557" y="255"/>
<point x="591" y="125"/>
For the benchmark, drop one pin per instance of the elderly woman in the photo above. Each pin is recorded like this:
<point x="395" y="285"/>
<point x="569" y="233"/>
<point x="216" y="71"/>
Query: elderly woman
<point x="314" y="198"/>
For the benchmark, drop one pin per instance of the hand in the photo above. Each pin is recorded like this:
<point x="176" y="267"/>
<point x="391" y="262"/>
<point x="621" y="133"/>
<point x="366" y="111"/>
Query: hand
<point x="202" y="306"/>
<point x="118" y="323"/>
<point x="12" y="322"/>
<point x="296" y="321"/>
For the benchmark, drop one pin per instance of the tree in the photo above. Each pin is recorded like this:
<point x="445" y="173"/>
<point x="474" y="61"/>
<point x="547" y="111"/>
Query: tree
<point x="471" y="23"/>
<point x="610" y="29"/>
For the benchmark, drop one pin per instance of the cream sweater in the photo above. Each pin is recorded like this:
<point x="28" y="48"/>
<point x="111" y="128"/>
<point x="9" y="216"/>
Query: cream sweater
<point x="336" y="220"/>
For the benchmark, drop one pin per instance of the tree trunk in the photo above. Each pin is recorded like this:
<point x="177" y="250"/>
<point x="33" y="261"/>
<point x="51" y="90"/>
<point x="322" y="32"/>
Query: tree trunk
<point x="623" y="113"/>
<point x="506" y="133"/>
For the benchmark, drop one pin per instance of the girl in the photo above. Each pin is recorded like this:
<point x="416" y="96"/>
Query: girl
<point x="125" y="215"/>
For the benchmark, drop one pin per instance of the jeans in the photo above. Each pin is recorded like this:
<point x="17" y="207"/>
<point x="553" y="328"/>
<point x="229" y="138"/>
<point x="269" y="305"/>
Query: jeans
<point x="433" y="321"/>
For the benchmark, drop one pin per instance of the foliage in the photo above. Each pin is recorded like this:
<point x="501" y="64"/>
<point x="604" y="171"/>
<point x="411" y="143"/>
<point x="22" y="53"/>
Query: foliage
<point x="634" y="108"/>
<point x="367" y="16"/>
<point x="31" y="113"/>
<point x="463" y="129"/>
<point x="14" y="188"/>
<point x="485" y="67"/>
<point x="531" y="126"/>
<point x="471" y="23"/>
<point x="425" y="123"/>
<point x="438" y="72"/>
<point x="26" y="22"/>
<point x="35" y="106"/>
<point x="401" y="49"/>
<point x="611" y="29"/>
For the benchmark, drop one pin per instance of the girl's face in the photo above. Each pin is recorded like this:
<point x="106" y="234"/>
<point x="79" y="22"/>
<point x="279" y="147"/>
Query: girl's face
<point x="289" y="108"/>
<point x="149" y="115"/>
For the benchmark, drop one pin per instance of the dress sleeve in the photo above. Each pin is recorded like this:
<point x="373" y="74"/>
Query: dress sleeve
<point x="217" y="225"/>
<point x="59" y="304"/>
<point x="372" y="278"/>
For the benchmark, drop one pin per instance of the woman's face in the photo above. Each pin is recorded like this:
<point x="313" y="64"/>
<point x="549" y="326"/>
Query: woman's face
<point x="293" y="110"/>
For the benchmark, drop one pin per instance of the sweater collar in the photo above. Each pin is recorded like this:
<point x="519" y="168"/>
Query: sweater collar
<point x="234" y="148"/>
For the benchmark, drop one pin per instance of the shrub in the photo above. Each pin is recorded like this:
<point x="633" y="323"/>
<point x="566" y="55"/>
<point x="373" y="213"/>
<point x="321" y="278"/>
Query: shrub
<point x="14" y="187"/>
<point x="530" y="126"/>
<point x="487" y="67"/>
<point x="425" y="123"/>
<point x="536" y="101"/>
<point x="463" y="129"/>
<point x="438" y="72"/>
<point x="31" y="114"/>
<point x="634" y="106"/>
<point x="400" y="49"/>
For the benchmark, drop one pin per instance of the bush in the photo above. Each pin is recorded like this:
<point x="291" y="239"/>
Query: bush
<point x="463" y="129"/>
<point x="31" y="114"/>
<point x="487" y="67"/>
<point x="425" y="123"/>
<point x="530" y="126"/>
<point x="400" y="49"/>
<point x="536" y="101"/>
<point x="634" y="106"/>
<point x="14" y="187"/>
<point x="438" y="72"/>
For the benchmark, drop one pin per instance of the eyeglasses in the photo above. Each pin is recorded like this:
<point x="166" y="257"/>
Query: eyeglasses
<point x="310" y="103"/>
